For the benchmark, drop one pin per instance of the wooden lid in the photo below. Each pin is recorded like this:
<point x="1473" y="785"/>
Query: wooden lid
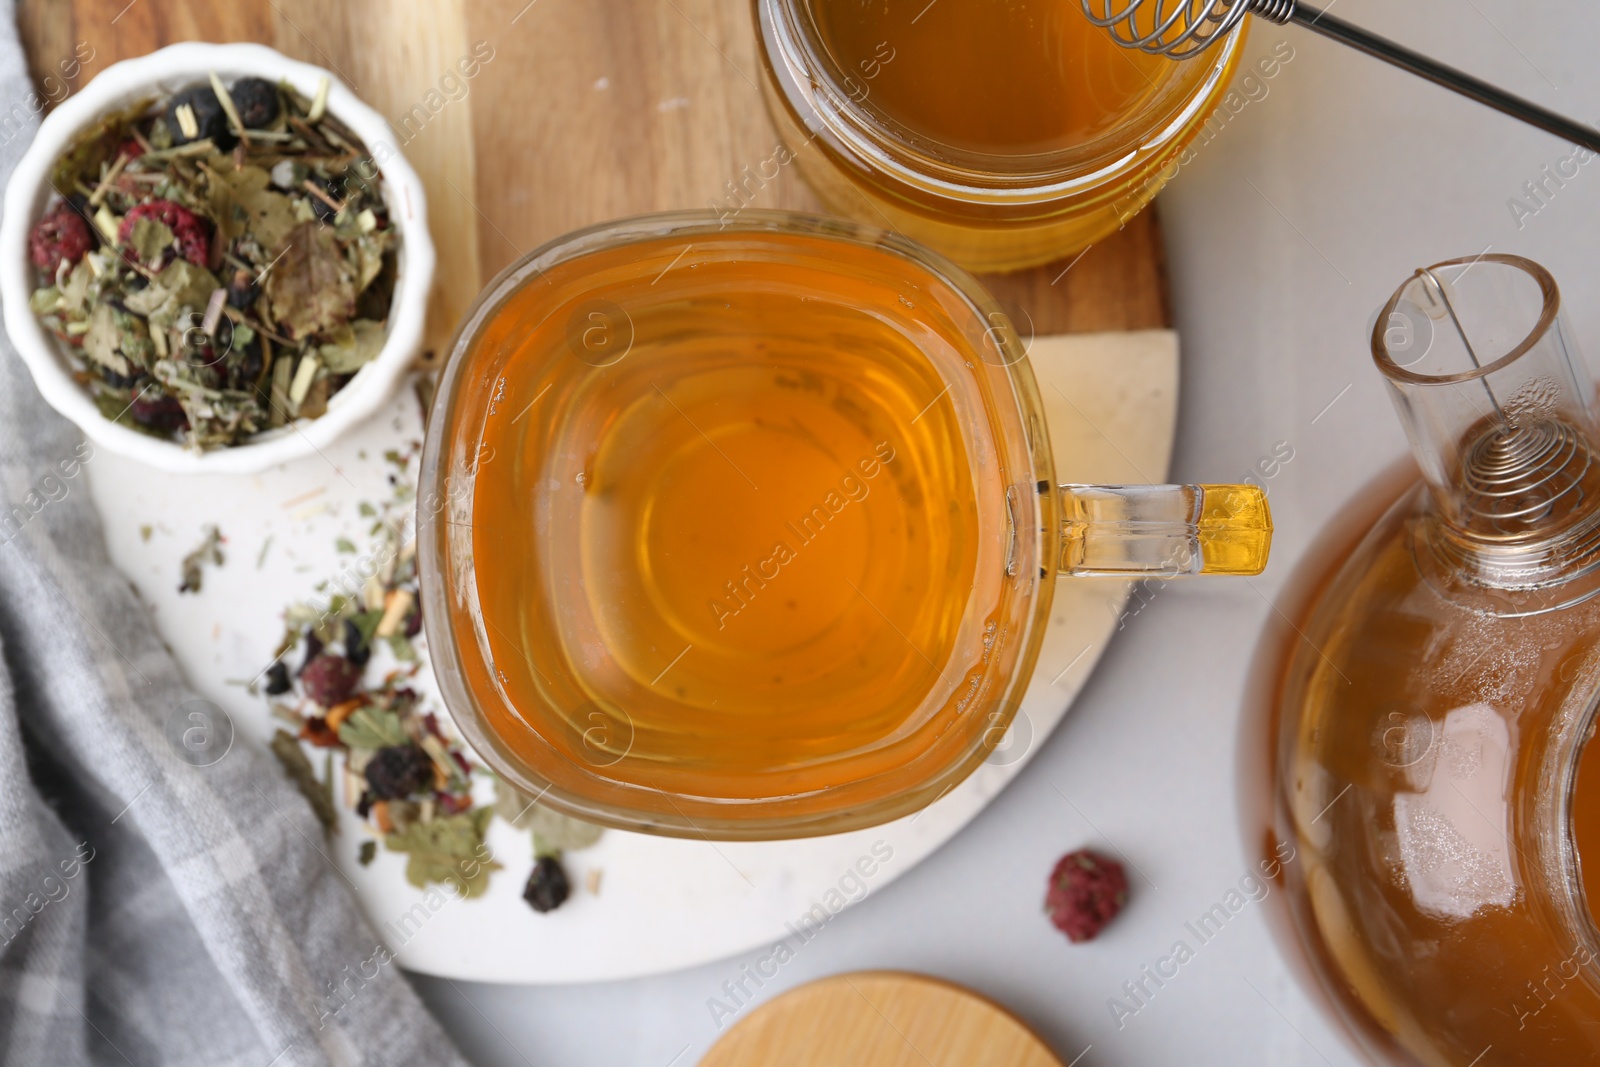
<point x="880" y="1019"/>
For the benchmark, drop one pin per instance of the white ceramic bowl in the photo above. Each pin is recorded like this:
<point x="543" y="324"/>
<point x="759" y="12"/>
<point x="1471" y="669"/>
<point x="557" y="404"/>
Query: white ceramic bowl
<point x="159" y="74"/>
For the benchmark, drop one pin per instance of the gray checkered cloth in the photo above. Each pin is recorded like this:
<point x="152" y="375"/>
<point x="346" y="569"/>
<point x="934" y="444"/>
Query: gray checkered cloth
<point x="151" y="911"/>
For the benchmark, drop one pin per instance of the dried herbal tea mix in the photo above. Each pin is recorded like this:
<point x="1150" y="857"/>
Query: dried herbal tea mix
<point x="222" y="262"/>
<point x="209" y="550"/>
<point x="343" y="678"/>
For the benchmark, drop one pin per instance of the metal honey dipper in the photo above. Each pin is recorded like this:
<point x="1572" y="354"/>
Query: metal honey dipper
<point x="1182" y="29"/>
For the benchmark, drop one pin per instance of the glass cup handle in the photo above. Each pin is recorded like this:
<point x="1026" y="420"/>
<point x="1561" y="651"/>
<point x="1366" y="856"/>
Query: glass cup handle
<point x="1163" y="530"/>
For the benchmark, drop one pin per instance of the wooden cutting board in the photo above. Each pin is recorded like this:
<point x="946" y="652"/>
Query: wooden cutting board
<point x="880" y="1019"/>
<point x="588" y="110"/>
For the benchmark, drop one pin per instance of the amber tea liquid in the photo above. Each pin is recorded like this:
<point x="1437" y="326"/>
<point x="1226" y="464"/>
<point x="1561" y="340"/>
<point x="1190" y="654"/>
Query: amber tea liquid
<point x="734" y="532"/>
<point x="1411" y="774"/>
<point x="1002" y="77"/>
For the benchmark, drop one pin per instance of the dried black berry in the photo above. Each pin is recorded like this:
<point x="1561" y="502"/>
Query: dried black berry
<point x="414" y="620"/>
<point x="313" y="647"/>
<point x="398" y="771"/>
<point x="121" y="381"/>
<point x="210" y="120"/>
<point x="242" y="290"/>
<point x="323" y="210"/>
<point x="248" y="363"/>
<point x="256" y="100"/>
<point x="548" y="887"/>
<point x="278" y="678"/>
<point x="356" y="649"/>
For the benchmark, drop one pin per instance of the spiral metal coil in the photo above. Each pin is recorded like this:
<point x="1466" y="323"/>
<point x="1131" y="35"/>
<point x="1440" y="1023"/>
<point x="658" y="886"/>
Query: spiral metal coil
<point x="1179" y="29"/>
<point x="1515" y="475"/>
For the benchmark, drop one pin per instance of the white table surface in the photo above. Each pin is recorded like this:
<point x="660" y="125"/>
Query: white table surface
<point x="1360" y="175"/>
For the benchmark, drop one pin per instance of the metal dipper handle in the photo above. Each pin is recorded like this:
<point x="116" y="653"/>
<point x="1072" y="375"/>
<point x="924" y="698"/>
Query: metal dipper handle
<point x="1182" y="29"/>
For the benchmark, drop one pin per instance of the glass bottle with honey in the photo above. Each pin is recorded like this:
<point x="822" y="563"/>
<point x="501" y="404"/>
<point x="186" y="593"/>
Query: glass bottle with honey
<point x="1433" y="715"/>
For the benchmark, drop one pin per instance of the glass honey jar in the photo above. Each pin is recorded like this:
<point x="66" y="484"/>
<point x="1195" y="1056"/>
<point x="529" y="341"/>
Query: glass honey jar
<point x="1002" y="133"/>
<point x="1438" y="694"/>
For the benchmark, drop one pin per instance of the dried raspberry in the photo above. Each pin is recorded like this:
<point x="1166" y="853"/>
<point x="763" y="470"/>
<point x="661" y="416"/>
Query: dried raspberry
<point x="398" y="771"/>
<point x="329" y="679"/>
<point x="159" y="412"/>
<point x="60" y="237"/>
<point x="1086" y="892"/>
<point x="130" y="148"/>
<point x="454" y="803"/>
<point x="548" y="887"/>
<point x="193" y="233"/>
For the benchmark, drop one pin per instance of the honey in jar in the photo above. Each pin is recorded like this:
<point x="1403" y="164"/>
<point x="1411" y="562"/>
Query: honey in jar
<point x="1002" y="133"/>
<point x="1065" y="80"/>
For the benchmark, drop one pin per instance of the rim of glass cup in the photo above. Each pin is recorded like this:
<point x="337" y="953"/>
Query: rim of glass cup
<point x="747" y="820"/>
<point x="811" y="83"/>
<point x="1547" y="318"/>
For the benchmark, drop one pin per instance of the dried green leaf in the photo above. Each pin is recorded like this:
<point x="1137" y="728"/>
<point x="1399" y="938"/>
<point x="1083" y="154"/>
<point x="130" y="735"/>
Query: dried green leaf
<point x="372" y="728"/>
<point x="243" y="202"/>
<point x="553" y="831"/>
<point x="367" y="251"/>
<point x="75" y="291"/>
<point x="367" y="853"/>
<point x="448" y="850"/>
<point x="312" y="289"/>
<point x="319" y="794"/>
<point x="96" y="145"/>
<point x="352" y="346"/>
<point x="367" y="622"/>
<point x="118" y="341"/>
<point x="44" y="301"/>
<point x="149" y="239"/>
<point x="209" y="550"/>
<point x="180" y="288"/>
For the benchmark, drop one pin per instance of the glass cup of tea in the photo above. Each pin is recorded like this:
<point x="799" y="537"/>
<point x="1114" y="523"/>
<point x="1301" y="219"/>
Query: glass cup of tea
<point x="750" y="531"/>
<point x="1002" y="133"/>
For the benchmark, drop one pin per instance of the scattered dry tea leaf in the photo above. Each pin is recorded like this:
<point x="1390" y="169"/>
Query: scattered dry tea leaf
<point x="372" y="728"/>
<point x="318" y="793"/>
<point x="553" y="832"/>
<point x="449" y="849"/>
<point x="208" y="550"/>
